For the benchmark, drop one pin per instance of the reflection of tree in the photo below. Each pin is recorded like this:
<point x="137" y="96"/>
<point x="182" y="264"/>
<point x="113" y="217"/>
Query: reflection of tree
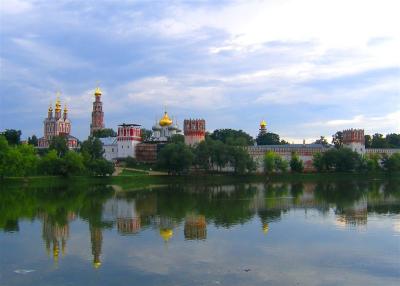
<point x="96" y="238"/>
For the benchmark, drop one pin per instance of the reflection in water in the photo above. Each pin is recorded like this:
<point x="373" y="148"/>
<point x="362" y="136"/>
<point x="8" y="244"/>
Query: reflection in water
<point x="192" y="206"/>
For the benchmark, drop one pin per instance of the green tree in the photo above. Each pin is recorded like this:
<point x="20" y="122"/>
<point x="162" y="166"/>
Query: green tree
<point x="145" y="134"/>
<point x="268" y="139"/>
<point x="50" y="164"/>
<point x="202" y="154"/>
<point x="337" y="139"/>
<point x="392" y="164"/>
<point x="175" y="157"/>
<point x="318" y="162"/>
<point x="322" y="140"/>
<point x="177" y="138"/>
<point x="72" y="164"/>
<point x="100" y="167"/>
<point x="378" y="141"/>
<point x="296" y="164"/>
<point x="368" y="141"/>
<point x="232" y="137"/>
<point x="13" y="136"/>
<point x="103" y="133"/>
<point x="60" y="145"/>
<point x="33" y="140"/>
<point x="92" y="148"/>
<point x="269" y="161"/>
<point x="393" y="140"/>
<point x="373" y="162"/>
<point x="241" y="160"/>
<point x="29" y="162"/>
<point x="281" y="164"/>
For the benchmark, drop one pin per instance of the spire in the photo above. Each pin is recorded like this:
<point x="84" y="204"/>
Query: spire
<point x="97" y="92"/>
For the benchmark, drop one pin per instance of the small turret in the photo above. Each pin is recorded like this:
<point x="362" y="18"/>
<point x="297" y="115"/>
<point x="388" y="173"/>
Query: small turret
<point x="65" y="111"/>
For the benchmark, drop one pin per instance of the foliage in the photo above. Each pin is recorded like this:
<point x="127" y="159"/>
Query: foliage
<point x="131" y="162"/>
<point x="296" y="164"/>
<point x="100" y="167"/>
<point x="378" y="141"/>
<point x="322" y="140"/>
<point x="177" y="138"/>
<point x="60" y="145"/>
<point x="33" y="140"/>
<point x="12" y="136"/>
<point x="104" y="133"/>
<point x="145" y="134"/>
<point x="240" y="160"/>
<point x="92" y="148"/>
<point x="393" y="140"/>
<point x="232" y="137"/>
<point x="273" y="163"/>
<point x="392" y="164"/>
<point x="337" y="139"/>
<point x="175" y="157"/>
<point x="368" y="141"/>
<point x="269" y="139"/>
<point x="340" y="160"/>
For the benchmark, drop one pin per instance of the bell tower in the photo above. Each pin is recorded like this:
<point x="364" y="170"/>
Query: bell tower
<point x="97" y="113"/>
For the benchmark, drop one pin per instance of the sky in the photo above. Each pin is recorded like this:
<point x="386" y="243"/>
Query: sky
<point x="309" y="68"/>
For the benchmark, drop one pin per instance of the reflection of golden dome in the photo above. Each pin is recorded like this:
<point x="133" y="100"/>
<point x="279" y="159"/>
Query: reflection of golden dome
<point x="263" y="124"/>
<point x="96" y="264"/>
<point x="165" y="121"/>
<point x="265" y="228"/>
<point x="97" y="92"/>
<point x="166" y="233"/>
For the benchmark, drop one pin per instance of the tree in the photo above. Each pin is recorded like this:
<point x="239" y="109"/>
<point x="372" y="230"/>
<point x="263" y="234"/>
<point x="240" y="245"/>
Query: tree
<point x="177" y="138"/>
<point x="241" y="160"/>
<point x="322" y="141"/>
<point x="202" y="154"/>
<point x="60" y="145"/>
<point x="269" y="161"/>
<point x="72" y="164"/>
<point x="368" y="141"/>
<point x="12" y="136"/>
<point x="296" y="164"/>
<point x="337" y="139"/>
<point x="318" y="162"/>
<point x="378" y="141"/>
<point x="50" y="164"/>
<point x="103" y="133"/>
<point x="175" y="157"/>
<point x="281" y="164"/>
<point x="29" y="162"/>
<point x="393" y="140"/>
<point x="232" y="137"/>
<point x="268" y="139"/>
<point x="392" y="164"/>
<point x="33" y="140"/>
<point x="92" y="148"/>
<point x="100" y="167"/>
<point x="373" y="162"/>
<point x="145" y="134"/>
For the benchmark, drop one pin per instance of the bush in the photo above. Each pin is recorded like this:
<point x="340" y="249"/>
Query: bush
<point x="296" y="164"/>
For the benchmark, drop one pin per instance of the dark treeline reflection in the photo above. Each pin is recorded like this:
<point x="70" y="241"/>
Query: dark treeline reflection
<point x="192" y="206"/>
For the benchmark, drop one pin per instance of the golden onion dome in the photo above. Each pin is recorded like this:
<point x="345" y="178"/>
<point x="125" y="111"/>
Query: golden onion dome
<point x="58" y="104"/>
<point x="263" y="124"/>
<point x="50" y="108"/>
<point x="97" y="92"/>
<point x="166" y="233"/>
<point x="165" y="121"/>
<point x="65" y="109"/>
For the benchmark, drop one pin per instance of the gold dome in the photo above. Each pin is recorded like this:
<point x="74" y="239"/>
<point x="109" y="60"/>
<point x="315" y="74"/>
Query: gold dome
<point x="263" y="124"/>
<point x="165" y="121"/>
<point x="58" y="104"/>
<point x="166" y="233"/>
<point x="50" y="108"/>
<point x="65" y="109"/>
<point x="97" y="92"/>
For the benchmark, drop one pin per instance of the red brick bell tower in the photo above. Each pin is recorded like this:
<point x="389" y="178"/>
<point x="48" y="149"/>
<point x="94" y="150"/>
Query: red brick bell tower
<point x="97" y="113"/>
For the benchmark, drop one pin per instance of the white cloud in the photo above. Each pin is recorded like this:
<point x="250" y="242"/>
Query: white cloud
<point x="15" y="6"/>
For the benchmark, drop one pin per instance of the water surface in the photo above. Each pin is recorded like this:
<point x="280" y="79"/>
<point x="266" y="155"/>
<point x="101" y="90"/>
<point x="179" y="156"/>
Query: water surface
<point x="332" y="233"/>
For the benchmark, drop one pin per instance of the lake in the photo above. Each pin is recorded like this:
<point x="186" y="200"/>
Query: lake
<point x="338" y="232"/>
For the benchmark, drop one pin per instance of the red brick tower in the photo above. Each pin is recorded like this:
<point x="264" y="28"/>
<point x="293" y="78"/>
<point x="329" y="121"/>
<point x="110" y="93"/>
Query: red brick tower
<point x="194" y="131"/>
<point x="354" y="139"/>
<point x="97" y="113"/>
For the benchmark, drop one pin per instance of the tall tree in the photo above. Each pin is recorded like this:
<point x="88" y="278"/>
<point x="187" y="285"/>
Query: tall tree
<point x="232" y="137"/>
<point x="378" y="141"/>
<point x="60" y="145"/>
<point x="13" y="136"/>
<point x="146" y="134"/>
<point x="368" y="141"/>
<point x="33" y="140"/>
<point x="322" y="140"/>
<point x="296" y="164"/>
<point x="393" y="140"/>
<point x="337" y="139"/>
<point x="268" y="139"/>
<point x="103" y="133"/>
<point x="175" y="157"/>
<point x="92" y="148"/>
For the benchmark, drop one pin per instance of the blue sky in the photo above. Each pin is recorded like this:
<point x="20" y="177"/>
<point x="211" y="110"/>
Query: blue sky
<point x="309" y="68"/>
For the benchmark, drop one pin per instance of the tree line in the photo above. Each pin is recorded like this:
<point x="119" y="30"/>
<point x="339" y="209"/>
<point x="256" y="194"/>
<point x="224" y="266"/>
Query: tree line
<point x="24" y="160"/>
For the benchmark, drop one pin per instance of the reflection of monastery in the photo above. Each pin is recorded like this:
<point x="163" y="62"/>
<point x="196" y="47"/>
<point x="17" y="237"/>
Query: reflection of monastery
<point x="129" y="142"/>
